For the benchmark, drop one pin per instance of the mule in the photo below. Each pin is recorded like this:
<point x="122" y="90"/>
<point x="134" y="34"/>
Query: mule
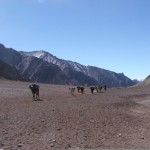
<point x="35" y="91"/>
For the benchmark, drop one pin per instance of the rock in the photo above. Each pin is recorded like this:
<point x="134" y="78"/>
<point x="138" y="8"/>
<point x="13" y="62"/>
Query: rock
<point x="1" y="145"/>
<point x="58" y="129"/>
<point x="68" y="146"/>
<point x="19" y="145"/>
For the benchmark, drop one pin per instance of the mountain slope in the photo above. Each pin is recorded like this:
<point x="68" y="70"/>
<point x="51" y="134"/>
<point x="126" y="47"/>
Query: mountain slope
<point x="8" y="72"/>
<point x="10" y="56"/>
<point x="146" y="81"/>
<point x="62" y="64"/>
<point x="109" y="78"/>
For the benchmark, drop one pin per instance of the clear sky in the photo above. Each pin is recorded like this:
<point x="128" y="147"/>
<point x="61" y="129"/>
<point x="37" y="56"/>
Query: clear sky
<point x="109" y="34"/>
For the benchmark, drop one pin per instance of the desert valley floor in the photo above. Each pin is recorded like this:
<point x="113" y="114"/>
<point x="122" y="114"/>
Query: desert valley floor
<point x="117" y="118"/>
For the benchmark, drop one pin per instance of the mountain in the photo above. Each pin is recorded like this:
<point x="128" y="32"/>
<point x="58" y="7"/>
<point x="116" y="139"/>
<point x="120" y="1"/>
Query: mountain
<point x="101" y="76"/>
<point x="41" y="66"/>
<point x="146" y="81"/>
<point x="62" y="64"/>
<point x="38" y="70"/>
<point x="137" y="81"/>
<point x="10" y="56"/>
<point x="10" y="73"/>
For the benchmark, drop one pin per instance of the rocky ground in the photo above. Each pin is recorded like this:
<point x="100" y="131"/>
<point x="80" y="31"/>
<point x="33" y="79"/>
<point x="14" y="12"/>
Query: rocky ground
<point x="117" y="118"/>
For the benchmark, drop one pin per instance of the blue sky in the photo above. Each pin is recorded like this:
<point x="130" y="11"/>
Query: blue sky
<point x="109" y="34"/>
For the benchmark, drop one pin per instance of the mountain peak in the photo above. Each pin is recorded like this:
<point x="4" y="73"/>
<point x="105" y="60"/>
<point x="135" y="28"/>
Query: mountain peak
<point x="37" y="54"/>
<point x="2" y="46"/>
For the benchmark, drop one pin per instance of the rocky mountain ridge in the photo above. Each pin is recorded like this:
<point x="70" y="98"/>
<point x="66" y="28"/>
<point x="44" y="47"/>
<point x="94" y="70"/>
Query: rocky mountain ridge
<point x="41" y="66"/>
<point x="102" y="76"/>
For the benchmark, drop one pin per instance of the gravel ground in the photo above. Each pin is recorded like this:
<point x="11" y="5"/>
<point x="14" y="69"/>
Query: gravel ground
<point x="117" y="118"/>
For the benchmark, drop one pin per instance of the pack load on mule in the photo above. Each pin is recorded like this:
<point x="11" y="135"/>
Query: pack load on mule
<point x="35" y="91"/>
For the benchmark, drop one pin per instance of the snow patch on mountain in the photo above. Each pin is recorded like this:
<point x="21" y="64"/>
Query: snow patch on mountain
<point x="59" y="62"/>
<point x="78" y="67"/>
<point x="38" y="54"/>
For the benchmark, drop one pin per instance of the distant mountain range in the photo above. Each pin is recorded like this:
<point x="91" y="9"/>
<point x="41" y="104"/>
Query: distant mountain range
<point x="43" y="67"/>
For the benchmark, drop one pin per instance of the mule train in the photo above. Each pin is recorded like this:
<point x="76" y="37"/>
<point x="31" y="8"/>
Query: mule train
<point x="80" y="89"/>
<point x="98" y="88"/>
<point x="35" y="91"/>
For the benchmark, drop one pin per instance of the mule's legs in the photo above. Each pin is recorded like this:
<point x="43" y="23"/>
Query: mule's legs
<point x="92" y="90"/>
<point x="37" y="95"/>
<point x="33" y="97"/>
<point x="96" y="89"/>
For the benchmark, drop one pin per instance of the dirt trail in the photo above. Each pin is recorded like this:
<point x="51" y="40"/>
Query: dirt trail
<point x="117" y="118"/>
